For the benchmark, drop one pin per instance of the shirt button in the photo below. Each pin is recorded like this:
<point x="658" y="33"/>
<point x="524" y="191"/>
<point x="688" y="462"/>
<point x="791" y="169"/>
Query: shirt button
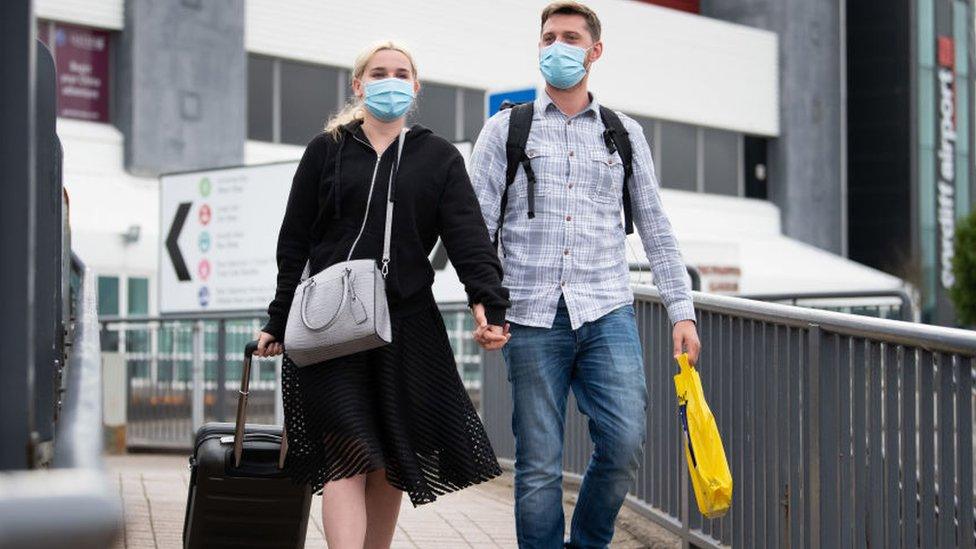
<point x="566" y="251"/>
<point x="570" y="185"/>
<point x="563" y="283"/>
<point x="569" y="122"/>
<point x="569" y="218"/>
<point x="570" y="153"/>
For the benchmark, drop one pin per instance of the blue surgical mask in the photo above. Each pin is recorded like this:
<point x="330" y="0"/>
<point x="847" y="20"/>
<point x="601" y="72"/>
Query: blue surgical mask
<point x="389" y="98"/>
<point x="562" y="64"/>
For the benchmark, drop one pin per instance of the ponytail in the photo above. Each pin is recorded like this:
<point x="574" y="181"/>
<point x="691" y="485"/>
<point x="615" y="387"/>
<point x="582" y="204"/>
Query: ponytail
<point x="352" y="111"/>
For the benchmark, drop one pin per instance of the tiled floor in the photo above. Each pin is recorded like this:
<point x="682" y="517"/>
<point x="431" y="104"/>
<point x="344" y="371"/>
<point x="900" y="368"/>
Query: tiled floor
<point x="153" y="492"/>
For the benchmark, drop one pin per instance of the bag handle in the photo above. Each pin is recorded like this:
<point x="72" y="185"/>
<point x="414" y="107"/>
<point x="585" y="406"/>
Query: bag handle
<point x="249" y="350"/>
<point x="342" y="302"/>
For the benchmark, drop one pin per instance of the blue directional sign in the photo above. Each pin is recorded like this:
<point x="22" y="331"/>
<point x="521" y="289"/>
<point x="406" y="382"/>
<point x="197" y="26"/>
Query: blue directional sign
<point x="495" y="99"/>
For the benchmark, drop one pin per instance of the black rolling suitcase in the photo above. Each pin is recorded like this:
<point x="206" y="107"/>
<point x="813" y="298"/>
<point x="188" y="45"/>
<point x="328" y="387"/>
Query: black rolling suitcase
<point x="239" y="494"/>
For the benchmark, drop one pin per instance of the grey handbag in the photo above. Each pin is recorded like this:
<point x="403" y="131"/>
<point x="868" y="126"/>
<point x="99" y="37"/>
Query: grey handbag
<point x="343" y="309"/>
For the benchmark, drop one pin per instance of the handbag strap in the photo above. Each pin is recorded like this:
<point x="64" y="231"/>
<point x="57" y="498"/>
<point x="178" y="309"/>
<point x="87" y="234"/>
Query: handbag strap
<point x="388" y="226"/>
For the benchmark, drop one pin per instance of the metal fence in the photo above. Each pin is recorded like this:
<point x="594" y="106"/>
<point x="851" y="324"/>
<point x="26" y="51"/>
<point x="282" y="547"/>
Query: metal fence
<point x="892" y="304"/>
<point x="841" y="430"/>
<point x="182" y="371"/>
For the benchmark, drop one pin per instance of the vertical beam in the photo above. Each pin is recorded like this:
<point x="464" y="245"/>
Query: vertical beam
<point x="17" y="75"/>
<point x="220" y="412"/>
<point x="197" y="376"/>
<point x="811" y="413"/>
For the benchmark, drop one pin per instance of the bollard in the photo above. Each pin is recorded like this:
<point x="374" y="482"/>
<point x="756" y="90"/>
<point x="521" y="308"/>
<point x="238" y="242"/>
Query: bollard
<point x="114" y="405"/>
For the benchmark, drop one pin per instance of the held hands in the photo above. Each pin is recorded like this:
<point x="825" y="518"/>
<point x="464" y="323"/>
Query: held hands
<point x="267" y="346"/>
<point x="685" y="336"/>
<point x="489" y="337"/>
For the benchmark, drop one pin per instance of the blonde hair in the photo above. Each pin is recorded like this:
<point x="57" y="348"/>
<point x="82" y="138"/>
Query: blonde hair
<point x="353" y="110"/>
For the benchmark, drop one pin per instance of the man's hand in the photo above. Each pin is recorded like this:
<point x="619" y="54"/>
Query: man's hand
<point x="685" y="336"/>
<point x="488" y="336"/>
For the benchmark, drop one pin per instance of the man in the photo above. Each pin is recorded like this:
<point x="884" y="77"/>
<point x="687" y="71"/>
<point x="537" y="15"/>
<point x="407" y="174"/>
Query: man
<point x="572" y="321"/>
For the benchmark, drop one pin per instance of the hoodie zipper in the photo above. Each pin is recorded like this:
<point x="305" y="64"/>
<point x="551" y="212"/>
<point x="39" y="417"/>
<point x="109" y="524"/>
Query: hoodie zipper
<point x="369" y="198"/>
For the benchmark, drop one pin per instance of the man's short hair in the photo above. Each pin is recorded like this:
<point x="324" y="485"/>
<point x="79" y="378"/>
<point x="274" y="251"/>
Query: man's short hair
<point x="568" y="7"/>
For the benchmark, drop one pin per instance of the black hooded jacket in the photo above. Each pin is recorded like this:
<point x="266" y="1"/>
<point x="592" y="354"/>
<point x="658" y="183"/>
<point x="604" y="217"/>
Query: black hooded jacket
<point x="433" y="198"/>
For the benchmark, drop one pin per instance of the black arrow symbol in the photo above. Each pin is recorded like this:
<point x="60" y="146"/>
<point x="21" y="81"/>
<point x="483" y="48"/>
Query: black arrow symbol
<point x="182" y="274"/>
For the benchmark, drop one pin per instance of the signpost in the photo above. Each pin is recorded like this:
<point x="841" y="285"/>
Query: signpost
<point x="493" y="100"/>
<point x="221" y="230"/>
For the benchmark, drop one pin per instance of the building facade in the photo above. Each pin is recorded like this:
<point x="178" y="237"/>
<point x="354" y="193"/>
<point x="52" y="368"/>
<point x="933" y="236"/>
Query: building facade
<point x="876" y="114"/>
<point x="149" y="87"/>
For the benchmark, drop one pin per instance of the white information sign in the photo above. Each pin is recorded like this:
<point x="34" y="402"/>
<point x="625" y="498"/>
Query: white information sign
<point x="219" y="231"/>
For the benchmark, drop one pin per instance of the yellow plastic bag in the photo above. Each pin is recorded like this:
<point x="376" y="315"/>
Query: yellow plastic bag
<point x="707" y="466"/>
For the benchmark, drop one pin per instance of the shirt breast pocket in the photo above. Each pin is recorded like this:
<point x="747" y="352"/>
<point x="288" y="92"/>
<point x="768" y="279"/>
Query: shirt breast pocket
<point x="608" y="181"/>
<point x="544" y="163"/>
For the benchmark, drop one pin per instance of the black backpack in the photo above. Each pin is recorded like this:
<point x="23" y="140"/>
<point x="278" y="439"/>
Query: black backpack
<point x="615" y="137"/>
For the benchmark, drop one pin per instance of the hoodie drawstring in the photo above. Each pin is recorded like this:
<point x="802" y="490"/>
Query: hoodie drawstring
<point x="337" y="200"/>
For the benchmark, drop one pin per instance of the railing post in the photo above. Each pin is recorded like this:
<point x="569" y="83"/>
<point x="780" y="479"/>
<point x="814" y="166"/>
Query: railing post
<point x="198" y="362"/>
<point x="811" y="415"/>
<point x="279" y="405"/>
<point x="685" y="519"/>
<point x="221" y="368"/>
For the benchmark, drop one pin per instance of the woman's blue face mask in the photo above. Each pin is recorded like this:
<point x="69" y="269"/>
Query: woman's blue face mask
<point x="562" y="65"/>
<point x="389" y="98"/>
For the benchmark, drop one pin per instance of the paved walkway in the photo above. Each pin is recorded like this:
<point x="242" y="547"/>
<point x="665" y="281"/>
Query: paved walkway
<point x="153" y="492"/>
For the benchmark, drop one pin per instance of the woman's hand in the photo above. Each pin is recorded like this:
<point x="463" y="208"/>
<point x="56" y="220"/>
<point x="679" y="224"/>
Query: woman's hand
<point x="488" y="336"/>
<point x="267" y="346"/>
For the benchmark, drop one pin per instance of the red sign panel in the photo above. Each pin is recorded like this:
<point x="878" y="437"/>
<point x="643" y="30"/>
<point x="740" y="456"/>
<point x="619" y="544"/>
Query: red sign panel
<point x="82" y="59"/>
<point x="947" y="52"/>
<point x="691" y="6"/>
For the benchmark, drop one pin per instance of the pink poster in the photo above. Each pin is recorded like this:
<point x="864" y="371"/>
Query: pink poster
<point x="82" y="58"/>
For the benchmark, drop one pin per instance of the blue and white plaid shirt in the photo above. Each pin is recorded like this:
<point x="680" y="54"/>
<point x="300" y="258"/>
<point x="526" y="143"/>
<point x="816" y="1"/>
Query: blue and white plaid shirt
<point x="575" y="245"/>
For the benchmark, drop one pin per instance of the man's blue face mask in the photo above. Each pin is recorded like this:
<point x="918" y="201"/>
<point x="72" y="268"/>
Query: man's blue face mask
<point x="389" y="98"/>
<point x="562" y="65"/>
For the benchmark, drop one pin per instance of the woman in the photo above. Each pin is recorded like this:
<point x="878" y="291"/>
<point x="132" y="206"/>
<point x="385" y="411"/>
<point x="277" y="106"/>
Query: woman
<point x="366" y="427"/>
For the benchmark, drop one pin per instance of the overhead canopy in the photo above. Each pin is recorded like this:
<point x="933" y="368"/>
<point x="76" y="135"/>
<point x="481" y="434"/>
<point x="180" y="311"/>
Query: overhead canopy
<point x="738" y="248"/>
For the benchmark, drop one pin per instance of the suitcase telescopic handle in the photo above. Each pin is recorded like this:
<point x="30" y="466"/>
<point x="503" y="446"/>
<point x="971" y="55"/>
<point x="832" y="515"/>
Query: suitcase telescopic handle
<point x="249" y="350"/>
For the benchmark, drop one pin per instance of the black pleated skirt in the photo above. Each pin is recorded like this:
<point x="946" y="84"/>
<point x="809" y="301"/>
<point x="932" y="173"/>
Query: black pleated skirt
<point x="401" y="407"/>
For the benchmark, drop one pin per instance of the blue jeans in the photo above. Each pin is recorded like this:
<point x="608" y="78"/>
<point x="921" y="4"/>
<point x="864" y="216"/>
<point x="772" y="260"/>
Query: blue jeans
<point x="602" y="362"/>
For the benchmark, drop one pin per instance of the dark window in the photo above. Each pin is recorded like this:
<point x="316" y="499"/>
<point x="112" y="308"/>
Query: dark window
<point x="679" y="156"/>
<point x="474" y="114"/>
<point x="436" y="109"/>
<point x="260" y="77"/>
<point x="108" y="295"/>
<point x="309" y="94"/>
<point x="138" y="296"/>
<point x="756" y="171"/>
<point x="721" y="162"/>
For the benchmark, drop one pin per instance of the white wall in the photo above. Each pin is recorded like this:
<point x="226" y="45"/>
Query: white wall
<point x="657" y="62"/>
<point x="109" y="14"/>
<point x="104" y="201"/>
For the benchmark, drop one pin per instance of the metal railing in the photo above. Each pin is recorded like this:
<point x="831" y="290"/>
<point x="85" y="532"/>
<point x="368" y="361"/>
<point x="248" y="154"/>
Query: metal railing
<point x="893" y="304"/>
<point x="182" y="371"/>
<point x="72" y="503"/>
<point x="840" y="430"/>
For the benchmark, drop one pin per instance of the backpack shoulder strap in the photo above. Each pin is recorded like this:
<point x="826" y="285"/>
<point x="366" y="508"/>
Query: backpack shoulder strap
<point x="617" y="137"/>
<point x="519" y="125"/>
